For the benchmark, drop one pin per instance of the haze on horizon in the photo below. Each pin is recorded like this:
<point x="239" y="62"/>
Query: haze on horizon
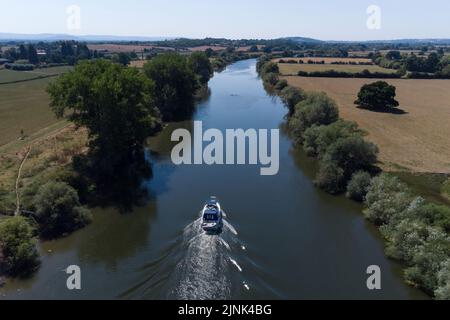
<point x="324" y="19"/>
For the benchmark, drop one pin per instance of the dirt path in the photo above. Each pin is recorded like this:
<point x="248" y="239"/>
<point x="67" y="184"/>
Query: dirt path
<point x="24" y="159"/>
<point x="16" y="213"/>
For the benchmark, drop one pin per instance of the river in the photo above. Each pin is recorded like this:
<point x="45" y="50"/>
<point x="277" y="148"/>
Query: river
<point x="283" y="238"/>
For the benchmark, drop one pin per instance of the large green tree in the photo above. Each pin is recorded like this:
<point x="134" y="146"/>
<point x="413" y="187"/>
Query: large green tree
<point x="201" y="66"/>
<point x="115" y="104"/>
<point x="376" y="96"/>
<point x="175" y="85"/>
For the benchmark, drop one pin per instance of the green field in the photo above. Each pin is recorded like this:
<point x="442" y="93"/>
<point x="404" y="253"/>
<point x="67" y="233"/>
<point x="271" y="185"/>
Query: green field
<point x="24" y="105"/>
<point x="7" y="76"/>
<point x="292" y="69"/>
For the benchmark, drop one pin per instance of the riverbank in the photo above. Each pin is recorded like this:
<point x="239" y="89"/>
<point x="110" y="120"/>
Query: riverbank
<point x="415" y="231"/>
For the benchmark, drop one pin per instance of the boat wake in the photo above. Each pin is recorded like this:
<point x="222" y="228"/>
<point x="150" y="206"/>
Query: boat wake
<point x="203" y="271"/>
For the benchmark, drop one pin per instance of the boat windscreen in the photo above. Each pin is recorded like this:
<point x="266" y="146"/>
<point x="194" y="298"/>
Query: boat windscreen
<point x="210" y="217"/>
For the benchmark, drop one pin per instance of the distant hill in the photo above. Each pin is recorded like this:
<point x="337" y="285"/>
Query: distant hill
<point x="303" y="39"/>
<point x="56" y="37"/>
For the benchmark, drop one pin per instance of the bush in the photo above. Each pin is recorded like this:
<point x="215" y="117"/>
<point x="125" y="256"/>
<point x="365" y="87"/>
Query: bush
<point x="316" y="109"/>
<point x="270" y="78"/>
<point x="330" y="178"/>
<point x="352" y="154"/>
<point x="443" y="290"/>
<point x="58" y="210"/>
<point x="19" y="66"/>
<point x="386" y="197"/>
<point x="18" y="256"/>
<point x="318" y="138"/>
<point x="281" y="84"/>
<point x="291" y="97"/>
<point x="358" y="186"/>
<point x="270" y="67"/>
<point x="377" y="95"/>
<point x="427" y="260"/>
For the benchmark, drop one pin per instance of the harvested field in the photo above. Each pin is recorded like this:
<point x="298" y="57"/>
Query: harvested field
<point x="327" y="60"/>
<point x="118" y="48"/>
<point x="293" y="69"/>
<point x="417" y="140"/>
<point x="203" y="48"/>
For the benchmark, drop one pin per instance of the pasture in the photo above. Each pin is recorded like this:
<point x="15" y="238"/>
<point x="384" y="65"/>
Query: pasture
<point x="417" y="139"/>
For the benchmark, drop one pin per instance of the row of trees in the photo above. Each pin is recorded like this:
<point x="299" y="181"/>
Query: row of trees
<point x="416" y="231"/>
<point x="68" y="52"/>
<point x="436" y="63"/>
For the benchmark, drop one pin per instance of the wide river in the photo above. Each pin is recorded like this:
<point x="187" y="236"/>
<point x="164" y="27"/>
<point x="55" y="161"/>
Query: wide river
<point x="283" y="238"/>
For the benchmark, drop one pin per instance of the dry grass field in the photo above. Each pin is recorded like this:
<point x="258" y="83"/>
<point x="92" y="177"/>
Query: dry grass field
<point x="118" y="48"/>
<point x="417" y="140"/>
<point x="293" y="68"/>
<point x="326" y="60"/>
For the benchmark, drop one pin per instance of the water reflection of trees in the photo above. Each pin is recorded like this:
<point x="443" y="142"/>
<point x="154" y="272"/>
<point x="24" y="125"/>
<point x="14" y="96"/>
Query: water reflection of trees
<point x="117" y="236"/>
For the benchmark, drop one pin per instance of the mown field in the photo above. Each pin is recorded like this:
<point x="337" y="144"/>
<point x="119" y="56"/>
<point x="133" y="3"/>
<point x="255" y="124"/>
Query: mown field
<point x="416" y="140"/>
<point x="293" y="69"/>
<point x="7" y="76"/>
<point x="25" y="105"/>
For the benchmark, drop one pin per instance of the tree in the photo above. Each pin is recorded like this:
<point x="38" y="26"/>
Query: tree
<point x="393" y="55"/>
<point x="358" y="186"/>
<point x="32" y="55"/>
<point x="352" y="154"/>
<point x="201" y="66"/>
<point x="58" y="210"/>
<point x="443" y="291"/>
<point x="316" y="109"/>
<point x="175" y="85"/>
<point x="122" y="58"/>
<point x="23" y="53"/>
<point x="19" y="255"/>
<point x="115" y="104"/>
<point x="291" y="96"/>
<point x="317" y="139"/>
<point x="377" y="95"/>
<point x="386" y="198"/>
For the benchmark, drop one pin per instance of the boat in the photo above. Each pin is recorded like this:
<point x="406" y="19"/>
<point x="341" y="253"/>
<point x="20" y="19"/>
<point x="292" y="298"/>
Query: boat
<point x="212" y="216"/>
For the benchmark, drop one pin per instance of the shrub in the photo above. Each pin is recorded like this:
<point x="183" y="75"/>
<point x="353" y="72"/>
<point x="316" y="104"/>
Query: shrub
<point x="58" y="210"/>
<point x="291" y="97"/>
<point x="352" y="154"/>
<point x="270" y="67"/>
<point x="427" y="260"/>
<point x="443" y="290"/>
<point x="318" y="138"/>
<point x="316" y="109"/>
<point x="270" y="78"/>
<point x="358" y="186"/>
<point x="281" y="84"/>
<point x="377" y="95"/>
<point x="330" y="178"/>
<point x="19" y="256"/>
<point x="386" y="197"/>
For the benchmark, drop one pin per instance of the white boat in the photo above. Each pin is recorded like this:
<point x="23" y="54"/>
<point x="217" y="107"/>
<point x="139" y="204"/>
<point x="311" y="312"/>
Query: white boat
<point x="212" y="216"/>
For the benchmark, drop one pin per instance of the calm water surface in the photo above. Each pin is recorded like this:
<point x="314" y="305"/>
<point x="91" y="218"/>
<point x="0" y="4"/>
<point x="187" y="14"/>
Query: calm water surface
<point x="283" y="239"/>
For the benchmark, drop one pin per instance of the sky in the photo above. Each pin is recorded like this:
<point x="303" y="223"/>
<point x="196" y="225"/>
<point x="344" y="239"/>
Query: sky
<point x="320" y="19"/>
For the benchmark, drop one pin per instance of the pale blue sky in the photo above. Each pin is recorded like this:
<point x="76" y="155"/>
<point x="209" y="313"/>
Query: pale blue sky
<point x="322" y="19"/>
